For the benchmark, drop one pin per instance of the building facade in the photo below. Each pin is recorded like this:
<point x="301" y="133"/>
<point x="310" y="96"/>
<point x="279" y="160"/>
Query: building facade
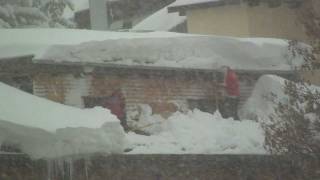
<point x="235" y="18"/>
<point x="162" y="88"/>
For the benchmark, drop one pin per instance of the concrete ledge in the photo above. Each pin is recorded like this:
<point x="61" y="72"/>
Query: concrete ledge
<point x="184" y="167"/>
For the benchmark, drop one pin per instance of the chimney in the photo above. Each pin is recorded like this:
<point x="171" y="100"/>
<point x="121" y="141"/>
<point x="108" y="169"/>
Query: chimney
<point x="98" y="14"/>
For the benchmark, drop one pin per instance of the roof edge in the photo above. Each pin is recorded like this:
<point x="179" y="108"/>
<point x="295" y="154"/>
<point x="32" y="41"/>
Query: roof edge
<point x="144" y="67"/>
<point x="182" y="8"/>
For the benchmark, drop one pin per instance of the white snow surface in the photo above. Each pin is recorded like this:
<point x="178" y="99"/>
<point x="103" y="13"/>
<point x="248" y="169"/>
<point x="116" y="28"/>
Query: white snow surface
<point x="193" y="51"/>
<point x="267" y="94"/>
<point x="260" y="106"/>
<point x="190" y="2"/>
<point x="197" y="132"/>
<point x="45" y="129"/>
<point x="162" y="49"/>
<point x="18" y="42"/>
<point x="161" y="20"/>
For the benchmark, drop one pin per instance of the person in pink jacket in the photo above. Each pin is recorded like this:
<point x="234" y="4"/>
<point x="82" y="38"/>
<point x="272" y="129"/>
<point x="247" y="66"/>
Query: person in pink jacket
<point x="232" y="93"/>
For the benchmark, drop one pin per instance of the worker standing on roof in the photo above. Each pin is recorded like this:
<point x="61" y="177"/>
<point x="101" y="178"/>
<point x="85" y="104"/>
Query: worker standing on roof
<point x="232" y="93"/>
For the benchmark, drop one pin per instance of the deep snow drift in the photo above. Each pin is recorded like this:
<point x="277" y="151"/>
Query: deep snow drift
<point x="197" y="132"/>
<point x="199" y="52"/>
<point x="267" y="94"/>
<point x="268" y="91"/>
<point x="43" y="128"/>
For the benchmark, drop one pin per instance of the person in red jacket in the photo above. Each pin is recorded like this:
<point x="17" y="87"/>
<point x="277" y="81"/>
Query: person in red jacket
<point x="116" y="104"/>
<point x="232" y="93"/>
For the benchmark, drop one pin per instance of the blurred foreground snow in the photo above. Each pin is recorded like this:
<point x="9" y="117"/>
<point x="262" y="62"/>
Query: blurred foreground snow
<point x="45" y="129"/>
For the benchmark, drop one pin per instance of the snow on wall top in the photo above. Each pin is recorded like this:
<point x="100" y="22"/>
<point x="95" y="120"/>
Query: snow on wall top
<point x="197" y="52"/>
<point x="19" y="42"/>
<point x="45" y="129"/>
<point x="25" y="109"/>
<point x="161" y="20"/>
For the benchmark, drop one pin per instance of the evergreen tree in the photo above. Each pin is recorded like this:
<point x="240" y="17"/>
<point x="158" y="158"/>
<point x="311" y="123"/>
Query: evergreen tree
<point x="34" y="13"/>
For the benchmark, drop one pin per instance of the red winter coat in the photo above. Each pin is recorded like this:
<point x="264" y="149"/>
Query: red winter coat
<point x="116" y="105"/>
<point x="232" y="84"/>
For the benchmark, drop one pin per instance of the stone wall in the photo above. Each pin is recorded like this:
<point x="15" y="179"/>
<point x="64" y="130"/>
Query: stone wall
<point x="162" y="167"/>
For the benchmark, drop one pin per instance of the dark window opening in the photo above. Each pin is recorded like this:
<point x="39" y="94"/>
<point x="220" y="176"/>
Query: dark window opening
<point x="91" y="101"/>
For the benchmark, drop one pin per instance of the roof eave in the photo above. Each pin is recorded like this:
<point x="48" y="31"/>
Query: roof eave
<point x="182" y="9"/>
<point x="144" y="67"/>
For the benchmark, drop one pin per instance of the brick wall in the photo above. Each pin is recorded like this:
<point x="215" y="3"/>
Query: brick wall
<point x="159" y="88"/>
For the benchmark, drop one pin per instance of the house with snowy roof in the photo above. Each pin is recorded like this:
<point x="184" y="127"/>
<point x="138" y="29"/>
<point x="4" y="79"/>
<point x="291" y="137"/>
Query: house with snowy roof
<point x="116" y="14"/>
<point x="251" y="18"/>
<point x="83" y="68"/>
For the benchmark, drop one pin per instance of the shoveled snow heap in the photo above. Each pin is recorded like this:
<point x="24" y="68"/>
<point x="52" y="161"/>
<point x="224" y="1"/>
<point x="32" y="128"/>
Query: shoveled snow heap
<point x="45" y="129"/>
<point x="267" y="94"/>
<point x="200" y="52"/>
<point x="198" y="132"/>
<point x="268" y="91"/>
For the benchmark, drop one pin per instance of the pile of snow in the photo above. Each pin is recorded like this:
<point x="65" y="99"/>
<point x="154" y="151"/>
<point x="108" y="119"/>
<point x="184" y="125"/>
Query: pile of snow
<point x="268" y="91"/>
<point x="19" y="42"/>
<point x="141" y="118"/>
<point x="45" y="129"/>
<point x="161" y="20"/>
<point x="198" y="132"/>
<point x="267" y="94"/>
<point x="201" y="52"/>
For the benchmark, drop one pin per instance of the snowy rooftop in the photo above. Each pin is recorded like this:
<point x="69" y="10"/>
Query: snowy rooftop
<point x="19" y="42"/>
<point x="160" y="49"/>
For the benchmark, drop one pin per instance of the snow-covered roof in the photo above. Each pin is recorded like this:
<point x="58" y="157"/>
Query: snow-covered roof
<point x="19" y="42"/>
<point x="153" y="49"/>
<point x="193" y="52"/>
<point x="161" y="20"/>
